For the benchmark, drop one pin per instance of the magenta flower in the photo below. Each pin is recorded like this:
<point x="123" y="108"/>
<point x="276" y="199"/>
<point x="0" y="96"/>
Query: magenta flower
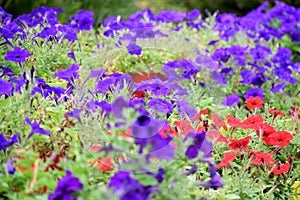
<point x="17" y="55"/>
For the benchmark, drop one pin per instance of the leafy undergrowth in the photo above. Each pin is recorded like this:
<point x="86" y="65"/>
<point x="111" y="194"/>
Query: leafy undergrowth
<point x="165" y="106"/>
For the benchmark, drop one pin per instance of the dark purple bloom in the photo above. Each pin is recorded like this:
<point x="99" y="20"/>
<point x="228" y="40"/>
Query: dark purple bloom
<point x="194" y="149"/>
<point x="143" y="120"/>
<point x="75" y="113"/>
<point x="231" y="100"/>
<point x="6" y="71"/>
<point x="10" y="167"/>
<point x="155" y="86"/>
<point x="149" y="130"/>
<point x="17" y="55"/>
<point x="69" y="73"/>
<point x="6" y="143"/>
<point x="118" y="105"/>
<point x="134" y="49"/>
<point x="5" y="87"/>
<point x="214" y="182"/>
<point x="66" y="186"/>
<point x="67" y="32"/>
<point x="247" y="76"/>
<point x="83" y="20"/>
<point x="238" y="53"/>
<point x="160" y="147"/>
<point x="35" y="128"/>
<point x="128" y="188"/>
<point x="170" y="16"/>
<point x="160" y="106"/>
<point x="20" y="82"/>
<point x="4" y="17"/>
<point x="254" y="92"/>
<point x="278" y="87"/>
<point x="259" y="79"/>
<point x="71" y="54"/>
<point x="104" y="106"/>
<point x="220" y="54"/>
<point x="48" y="32"/>
<point x="97" y="73"/>
<point x="192" y="15"/>
<point x="259" y="53"/>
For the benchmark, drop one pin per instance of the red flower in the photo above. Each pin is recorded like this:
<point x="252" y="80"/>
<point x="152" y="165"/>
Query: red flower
<point x="218" y="121"/>
<point x="184" y="126"/>
<point x="262" y="158"/>
<point x="280" y="138"/>
<point x="233" y="122"/>
<point x="103" y="164"/>
<point x="139" y="94"/>
<point x="281" y="169"/>
<point x="216" y="136"/>
<point x="225" y="162"/>
<point x="266" y="130"/>
<point x="254" y="102"/>
<point x="240" y="144"/>
<point x="253" y="122"/>
<point x="167" y="130"/>
<point x="276" y="112"/>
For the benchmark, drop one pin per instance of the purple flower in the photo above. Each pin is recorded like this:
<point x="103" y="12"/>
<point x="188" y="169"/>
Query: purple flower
<point x="160" y="106"/>
<point x="198" y="140"/>
<point x="215" y="181"/>
<point x="67" y="32"/>
<point x="69" y="73"/>
<point x="128" y="188"/>
<point x="5" y="87"/>
<point x="66" y="186"/>
<point x="143" y="120"/>
<point x="97" y="73"/>
<point x="10" y="167"/>
<point x="6" y="71"/>
<point x="247" y="76"/>
<point x="35" y="128"/>
<point x="259" y="53"/>
<point x="75" y="113"/>
<point x="83" y="20"/>
<point x="4" y="17"/>
<point x="71" y="54"/>
<point x="118" y="105"/>
<point x="277" y="88"/>
<point x="134" y="49"/>
<point x="259" y="79"/>
<point x="220" y="54"/>
<point x="254" y="92"/>
<point x="6" y="143"/>
<point x="218" y="78"/>
<point x="231" y="100"/>
<point x="192" y="15"/>
<point x="238" y="53"/>
<point x="48" y="32"/>
<point x="17" y="55"/>
<point x="170" y="16"/>
<point x="155" y="86"/>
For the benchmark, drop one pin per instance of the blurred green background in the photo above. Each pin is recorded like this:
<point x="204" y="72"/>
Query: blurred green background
<point x="105" y="8"/>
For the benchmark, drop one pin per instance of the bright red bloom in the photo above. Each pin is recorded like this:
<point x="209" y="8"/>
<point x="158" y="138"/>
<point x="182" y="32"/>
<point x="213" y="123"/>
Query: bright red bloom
<point x="276" y="112"/>
<point x="139" y="94"/>
<point x="240" y="144"/>
<point x="281" y="168"/>
<point x="254" y="102"/>
<point x="253" y="122"/>
<point x="233" y="122"/>
<point x="266" y="130"/>
<point x="262" y="158"/>
<point x="203" y="112"/>
<point x="103" y="164"/>
<point x="280" y="138"/>
<point x="225" y="162"/>
<point x="167" y="130"/>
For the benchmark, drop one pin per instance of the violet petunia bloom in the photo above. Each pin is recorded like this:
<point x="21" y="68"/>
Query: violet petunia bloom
<point x="117" y="107"/>
<point x="10" y="167"/>
<point x="83" y="20"/>
<point x="215" y="181"/>
<point x="17" y="55"/>
<point x="66" y="186"/>
<point x="35" y="128"/>
<point x="6" y="71"/>
<point x="198" y="139"/>
<point x="247" y="76"/>
<point x="259" y="53"/>
<point x="128" y="188"/>
<point x="98" y="73"/>
<point x="254" y="92"/>
<point x="134" y="49"/>
<point x="231" y="100"/>
<point x="69" y="73"/>
<point x="6" y="143"/>
<point x="160" y="106"/>
<point x="5" y="87"/>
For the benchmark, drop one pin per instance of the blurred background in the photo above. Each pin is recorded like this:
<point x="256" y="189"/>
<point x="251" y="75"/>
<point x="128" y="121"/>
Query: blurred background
<point x="105" y="8"/>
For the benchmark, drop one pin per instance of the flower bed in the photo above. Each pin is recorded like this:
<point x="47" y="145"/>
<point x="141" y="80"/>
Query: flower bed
<point x="165" y="106"/>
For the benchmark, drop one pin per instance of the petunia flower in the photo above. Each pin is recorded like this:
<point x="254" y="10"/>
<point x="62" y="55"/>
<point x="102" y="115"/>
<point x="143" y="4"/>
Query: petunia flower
<point x="66" y="186"/>
<point x="6" y="143"/>
<point x="231" y="100"/>
<point x="134" y="49"/>
<point x="254" y="92"/>
<point x="240" y="144"/>
<point x="262" y="158"/>
<point x="5" y="87"/>
<point x="17" y="55"/>
<point x="35" y="128"/>
<point x="280" y="138"/>
<point x="10" y="167"/>
<point x="160" y="105"/>
<point x="69" y="73"/>
<point x="276" y="113"/>
<point x="254" y="102"/>
<point x="228" y="157"/>
<point x="281" y="168"/>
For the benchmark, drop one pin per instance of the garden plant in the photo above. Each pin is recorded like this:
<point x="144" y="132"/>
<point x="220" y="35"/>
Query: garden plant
<point x="166" y="105"/>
